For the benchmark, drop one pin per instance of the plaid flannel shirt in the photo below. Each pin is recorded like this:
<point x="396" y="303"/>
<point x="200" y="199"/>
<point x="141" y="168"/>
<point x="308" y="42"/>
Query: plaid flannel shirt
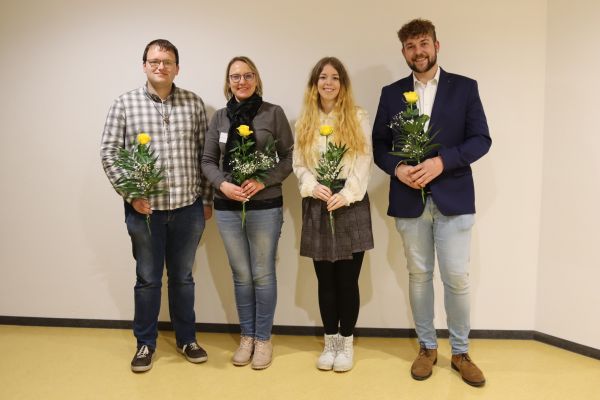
<point x="177" y="127"/>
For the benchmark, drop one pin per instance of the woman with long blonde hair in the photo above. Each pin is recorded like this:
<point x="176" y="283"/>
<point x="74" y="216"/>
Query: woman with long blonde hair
<point x="337" y="251"/>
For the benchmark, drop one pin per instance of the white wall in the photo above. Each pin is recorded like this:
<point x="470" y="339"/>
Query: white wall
<point x="569" y="271"/>
<point x="65" y="251"/>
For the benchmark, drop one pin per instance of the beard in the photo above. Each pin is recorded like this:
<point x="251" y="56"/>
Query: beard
<point x="431" y="61"/>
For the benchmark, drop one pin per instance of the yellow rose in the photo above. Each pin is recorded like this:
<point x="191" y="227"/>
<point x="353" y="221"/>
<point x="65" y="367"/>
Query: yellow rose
<point x="325" y="130"/>
<point x="411" y="97"/>
<point x="244" y="130"/>
<point x="143" y="138"/>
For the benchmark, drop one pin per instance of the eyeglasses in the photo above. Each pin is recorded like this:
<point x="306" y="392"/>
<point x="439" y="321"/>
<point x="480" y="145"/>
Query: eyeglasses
<point x="156" y="63"/>
<point x="248" y="77"/>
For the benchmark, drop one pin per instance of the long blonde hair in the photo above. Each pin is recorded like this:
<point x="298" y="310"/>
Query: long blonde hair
<point x="346" y="125"/>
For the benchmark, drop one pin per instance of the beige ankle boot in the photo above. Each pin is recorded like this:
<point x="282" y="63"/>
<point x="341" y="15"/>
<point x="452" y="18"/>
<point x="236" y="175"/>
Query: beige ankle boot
<point x="243" y="354"/>
<point x="325" y="361"/>
<point x="263" y="354"/>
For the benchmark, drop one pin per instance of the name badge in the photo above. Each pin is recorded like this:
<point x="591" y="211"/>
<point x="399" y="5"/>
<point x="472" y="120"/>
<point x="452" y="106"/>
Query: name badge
<point x="223" y="137"/>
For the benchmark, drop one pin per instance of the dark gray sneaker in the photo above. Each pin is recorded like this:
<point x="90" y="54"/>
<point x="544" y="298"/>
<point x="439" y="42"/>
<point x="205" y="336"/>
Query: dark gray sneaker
<point x="193" y="352"/>
<point x="142" y="360"/>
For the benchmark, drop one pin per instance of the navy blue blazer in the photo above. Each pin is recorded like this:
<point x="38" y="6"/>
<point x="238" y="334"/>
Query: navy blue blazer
<point x="463" y="134"/>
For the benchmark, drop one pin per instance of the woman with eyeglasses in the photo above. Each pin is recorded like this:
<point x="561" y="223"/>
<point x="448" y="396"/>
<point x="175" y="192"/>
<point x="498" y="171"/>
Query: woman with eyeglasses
<point x="336" y="219"/>
<point x="249" y="213"/>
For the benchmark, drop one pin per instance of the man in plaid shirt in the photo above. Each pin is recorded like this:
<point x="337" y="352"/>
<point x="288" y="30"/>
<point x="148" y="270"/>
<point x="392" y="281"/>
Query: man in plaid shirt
<point x="175" y="119"/>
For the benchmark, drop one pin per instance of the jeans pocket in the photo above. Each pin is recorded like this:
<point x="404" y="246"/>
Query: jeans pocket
<point x="401" y="224"/>
<point x="466" y="221"/>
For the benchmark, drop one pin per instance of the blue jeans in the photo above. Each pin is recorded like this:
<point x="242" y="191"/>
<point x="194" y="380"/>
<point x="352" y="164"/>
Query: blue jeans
<point x="251" y="251"/>
<point x="173" y="240"/>
<point x="450" y="237"/>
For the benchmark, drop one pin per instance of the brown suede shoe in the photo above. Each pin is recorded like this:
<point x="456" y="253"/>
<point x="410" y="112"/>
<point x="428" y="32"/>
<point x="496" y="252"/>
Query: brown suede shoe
<point x="422" y="366"/>
<point x="469" y="372"/>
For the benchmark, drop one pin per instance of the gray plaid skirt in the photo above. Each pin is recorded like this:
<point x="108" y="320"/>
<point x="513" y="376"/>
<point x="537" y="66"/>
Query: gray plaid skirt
<point x="353" y="231"/>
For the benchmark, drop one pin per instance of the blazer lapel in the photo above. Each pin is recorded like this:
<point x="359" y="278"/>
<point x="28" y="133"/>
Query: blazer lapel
<point x="440" y="96"/>
<point x="408" y="85"/>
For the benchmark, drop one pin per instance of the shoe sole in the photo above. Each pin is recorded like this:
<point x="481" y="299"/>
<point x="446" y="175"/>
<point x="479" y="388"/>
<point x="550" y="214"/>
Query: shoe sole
<point x="193" y="360"/>
<point x="422" y="378"/>
<point x="324" y="367"/>
<point x="475" y="384"/>
<point x="241" y="364"/>
<point x="142" y="368"/>
<point x="259" y="367"/>
<point x="341" y="369"/>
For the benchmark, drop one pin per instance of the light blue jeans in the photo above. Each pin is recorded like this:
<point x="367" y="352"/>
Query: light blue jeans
<point x="251" y="251"/>
<point x="450" y="237"/>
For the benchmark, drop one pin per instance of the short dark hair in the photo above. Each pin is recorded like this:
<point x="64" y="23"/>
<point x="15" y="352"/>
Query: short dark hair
<point x="163" y="45"/>
<point x="415" y="28"/>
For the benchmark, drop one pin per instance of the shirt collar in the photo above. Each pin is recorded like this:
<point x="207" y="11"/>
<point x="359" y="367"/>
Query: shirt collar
<point x="155" y="97"/>
<point x="434" y="80"/>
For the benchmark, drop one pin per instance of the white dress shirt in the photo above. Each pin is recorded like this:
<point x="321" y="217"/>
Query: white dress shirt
<point x="426" y="92"/>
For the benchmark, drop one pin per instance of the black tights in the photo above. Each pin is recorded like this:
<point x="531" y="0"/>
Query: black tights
<point x="339" y="297"/>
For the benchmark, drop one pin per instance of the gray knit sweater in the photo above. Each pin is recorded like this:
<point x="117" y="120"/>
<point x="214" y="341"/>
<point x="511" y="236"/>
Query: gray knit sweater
<point x="270" y="121"/>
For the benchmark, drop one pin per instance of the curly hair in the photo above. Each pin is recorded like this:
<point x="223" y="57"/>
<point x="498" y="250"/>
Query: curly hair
<point x="415" y="28"/>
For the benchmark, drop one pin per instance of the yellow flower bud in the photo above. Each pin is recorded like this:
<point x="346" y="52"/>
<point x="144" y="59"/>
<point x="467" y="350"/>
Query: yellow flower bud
<point x="143" y="138"/>
<point x="244" y="130"/>
<point x="411" y="97"/>
<point x="325" y="130"/>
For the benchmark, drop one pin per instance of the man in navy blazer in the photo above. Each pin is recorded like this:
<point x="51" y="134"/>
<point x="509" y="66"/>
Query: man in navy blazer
<point x="442" y="223"/>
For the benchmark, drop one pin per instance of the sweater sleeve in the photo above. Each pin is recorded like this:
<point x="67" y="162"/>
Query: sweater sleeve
<point x="206" y="187"/>
<point x="360" y="168"/>
<point x="284" y="145"/>
<point x="211" y="155"/>
<point x="306" y="178"/>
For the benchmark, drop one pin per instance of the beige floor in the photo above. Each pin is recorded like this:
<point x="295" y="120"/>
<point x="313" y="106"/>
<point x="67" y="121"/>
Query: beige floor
<point x="75" y="363"/>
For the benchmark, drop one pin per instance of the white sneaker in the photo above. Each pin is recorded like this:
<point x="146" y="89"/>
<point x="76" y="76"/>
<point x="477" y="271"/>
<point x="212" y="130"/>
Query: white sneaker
<point x="325" y="361"/>
<point x="345" y="354"/>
